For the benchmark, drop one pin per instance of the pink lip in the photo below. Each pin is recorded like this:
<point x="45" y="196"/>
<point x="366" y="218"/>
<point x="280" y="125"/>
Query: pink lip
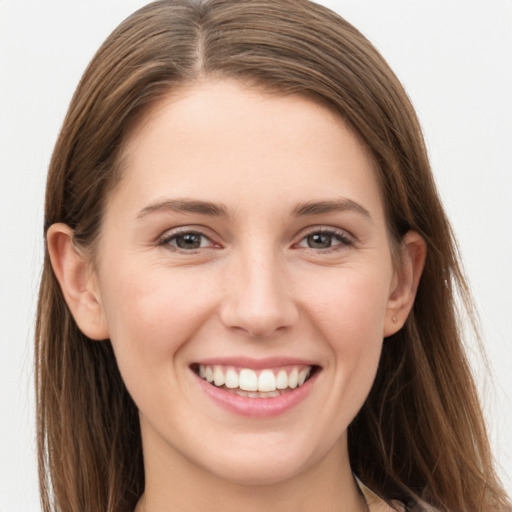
<point x="257" y="407"/>
<point x="256" y="364"/>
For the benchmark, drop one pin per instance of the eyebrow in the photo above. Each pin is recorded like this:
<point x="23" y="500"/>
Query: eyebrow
<point x="332" y="206"/>
<point x="184" y="206"/>
<point x="309" y="208"/>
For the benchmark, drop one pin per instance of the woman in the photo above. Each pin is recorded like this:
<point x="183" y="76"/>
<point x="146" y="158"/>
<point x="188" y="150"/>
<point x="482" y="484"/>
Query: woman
<point x="248" y="295"/>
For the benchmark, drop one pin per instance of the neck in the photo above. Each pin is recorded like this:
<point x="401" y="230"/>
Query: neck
<point x="176" y="483"/>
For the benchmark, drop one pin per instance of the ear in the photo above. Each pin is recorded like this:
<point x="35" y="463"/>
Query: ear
<point x="74" y="272"/>
<point x="413" y="252"/>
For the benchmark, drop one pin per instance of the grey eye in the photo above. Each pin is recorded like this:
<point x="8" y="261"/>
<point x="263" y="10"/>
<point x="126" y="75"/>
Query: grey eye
<point x="319" y="240"/>
<point x="189" y="241"/>
<point x="323" y="239"/>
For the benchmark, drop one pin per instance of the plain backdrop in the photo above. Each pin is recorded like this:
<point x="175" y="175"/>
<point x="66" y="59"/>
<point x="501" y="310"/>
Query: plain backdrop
<point x="455" y="59"/>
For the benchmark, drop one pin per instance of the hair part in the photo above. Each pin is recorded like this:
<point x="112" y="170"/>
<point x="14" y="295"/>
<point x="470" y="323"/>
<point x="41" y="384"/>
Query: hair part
<point x="420" y="436"/>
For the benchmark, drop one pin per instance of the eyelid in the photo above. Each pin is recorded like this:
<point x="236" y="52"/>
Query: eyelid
<point x="170" y="234"/>
<point x="347" y="239"/>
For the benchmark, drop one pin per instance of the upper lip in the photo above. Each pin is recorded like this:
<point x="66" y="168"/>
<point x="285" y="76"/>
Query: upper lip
<point x="255" y="363"/>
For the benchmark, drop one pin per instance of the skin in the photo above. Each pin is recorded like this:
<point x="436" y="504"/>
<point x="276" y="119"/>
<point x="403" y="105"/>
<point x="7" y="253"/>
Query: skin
<point x="255" y="288"/>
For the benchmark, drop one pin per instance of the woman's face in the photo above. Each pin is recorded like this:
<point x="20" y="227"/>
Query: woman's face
<point x="246" y="243"/>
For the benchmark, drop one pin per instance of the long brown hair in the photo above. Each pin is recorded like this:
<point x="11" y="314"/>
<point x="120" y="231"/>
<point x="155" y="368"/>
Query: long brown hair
<point x="420" y="436"/>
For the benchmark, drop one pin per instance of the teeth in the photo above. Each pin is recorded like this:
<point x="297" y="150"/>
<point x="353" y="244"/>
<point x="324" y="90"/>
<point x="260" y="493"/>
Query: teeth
<point x="303" y="375"/>
<point x="257" y="394"/>
<point x="218" y="376"/>
<point x="266" y="381"/>
<point x="293" y="378"/>
<point x="282" y="380"/>
<point x="247" y="382"/>
<point x="231" y="378"/>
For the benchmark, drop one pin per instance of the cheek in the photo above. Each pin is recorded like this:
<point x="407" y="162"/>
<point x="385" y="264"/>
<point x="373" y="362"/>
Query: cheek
<point x="352" y="306"/>
<point x="152" y="314"/>
<point x="351" y="321"/>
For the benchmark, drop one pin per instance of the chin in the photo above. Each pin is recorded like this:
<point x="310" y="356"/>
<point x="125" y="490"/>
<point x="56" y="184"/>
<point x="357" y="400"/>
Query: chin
<point x="258" y="472"/>
<point x="264" y="463"/>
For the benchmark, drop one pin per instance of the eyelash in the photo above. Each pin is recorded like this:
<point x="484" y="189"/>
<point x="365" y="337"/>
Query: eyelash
<point x="342" y="237"/>
<point x="167" y="240"/>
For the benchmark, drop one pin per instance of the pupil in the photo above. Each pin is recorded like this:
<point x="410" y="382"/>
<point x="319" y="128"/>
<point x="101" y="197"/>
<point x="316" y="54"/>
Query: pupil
<point x="319" y="241"/>
<point x="189" y="241"/>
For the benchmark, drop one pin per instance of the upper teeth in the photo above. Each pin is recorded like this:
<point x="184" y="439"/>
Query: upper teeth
<point x="248" y="380"/>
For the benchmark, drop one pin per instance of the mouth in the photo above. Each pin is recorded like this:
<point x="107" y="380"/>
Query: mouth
<point x="255" y="383"/>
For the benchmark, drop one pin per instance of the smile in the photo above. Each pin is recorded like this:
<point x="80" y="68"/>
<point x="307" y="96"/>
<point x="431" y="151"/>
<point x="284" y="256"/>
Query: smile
<point x="257" y="388"/>
<point x="263" y="383"/>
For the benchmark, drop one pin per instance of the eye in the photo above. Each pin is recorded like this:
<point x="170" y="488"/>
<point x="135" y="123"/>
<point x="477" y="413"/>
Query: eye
<point x="187" y="241"/>
<point x="325" y="239"/>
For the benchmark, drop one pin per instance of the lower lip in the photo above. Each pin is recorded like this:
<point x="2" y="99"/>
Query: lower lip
<point x="258" y="407"/>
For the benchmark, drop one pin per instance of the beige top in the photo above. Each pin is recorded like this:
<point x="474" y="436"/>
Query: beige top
<point x="376" y="504"/>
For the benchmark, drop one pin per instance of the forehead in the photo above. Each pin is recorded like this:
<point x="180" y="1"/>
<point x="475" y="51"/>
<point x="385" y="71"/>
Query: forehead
<point x="222" y="137"/>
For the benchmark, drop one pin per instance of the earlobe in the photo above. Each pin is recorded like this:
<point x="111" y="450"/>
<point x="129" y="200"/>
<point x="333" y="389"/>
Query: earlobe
<point x="73" y="271"/>
<point x="413" y="253"/>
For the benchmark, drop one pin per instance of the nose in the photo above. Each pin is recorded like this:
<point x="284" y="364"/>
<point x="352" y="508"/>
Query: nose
<point x="258" y="299"/>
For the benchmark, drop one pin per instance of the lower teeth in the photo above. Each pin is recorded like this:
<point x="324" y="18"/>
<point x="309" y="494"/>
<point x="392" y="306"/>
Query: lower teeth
<point x="256" y="394"/>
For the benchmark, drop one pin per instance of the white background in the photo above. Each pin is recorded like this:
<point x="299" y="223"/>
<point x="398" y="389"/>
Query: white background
<point x="455" y="59"/>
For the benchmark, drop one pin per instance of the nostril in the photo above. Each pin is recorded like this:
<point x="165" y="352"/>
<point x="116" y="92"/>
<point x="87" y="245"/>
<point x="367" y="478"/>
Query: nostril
<point x="260" y="306"/>
<point x="260" y="326"/>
